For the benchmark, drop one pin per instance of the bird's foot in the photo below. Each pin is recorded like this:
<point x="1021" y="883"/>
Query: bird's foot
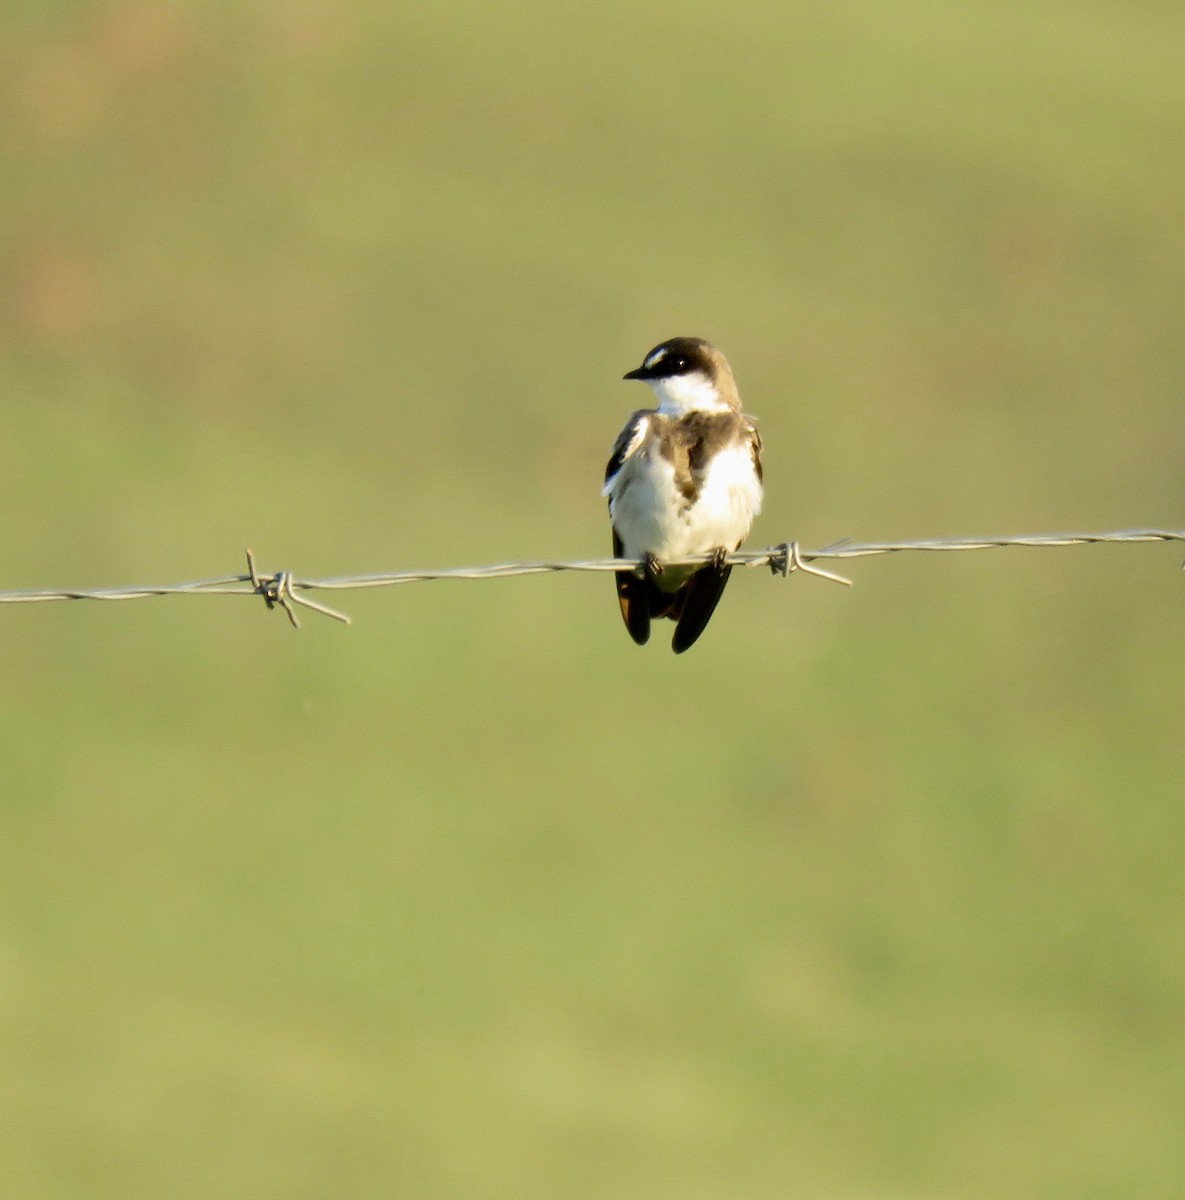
<point x="654" y="568"/>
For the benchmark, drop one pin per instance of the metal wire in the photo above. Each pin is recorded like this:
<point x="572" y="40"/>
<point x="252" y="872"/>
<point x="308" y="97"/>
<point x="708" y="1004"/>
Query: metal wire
<point x="284" y="590"/>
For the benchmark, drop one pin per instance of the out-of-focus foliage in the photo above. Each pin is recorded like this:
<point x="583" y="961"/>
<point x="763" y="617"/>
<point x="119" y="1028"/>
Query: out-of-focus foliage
<point x="872" y="894"/>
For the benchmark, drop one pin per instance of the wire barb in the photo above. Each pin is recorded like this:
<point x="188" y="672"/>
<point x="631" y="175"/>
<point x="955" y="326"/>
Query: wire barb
<point x="788" y="557"/>
<point x="278" y="589"/>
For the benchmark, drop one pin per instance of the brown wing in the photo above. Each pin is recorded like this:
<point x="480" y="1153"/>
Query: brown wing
<point x="755" y="447"/>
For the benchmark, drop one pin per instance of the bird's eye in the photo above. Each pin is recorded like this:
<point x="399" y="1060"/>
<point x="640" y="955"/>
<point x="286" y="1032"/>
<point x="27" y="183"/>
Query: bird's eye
<point x="679" y="365"/>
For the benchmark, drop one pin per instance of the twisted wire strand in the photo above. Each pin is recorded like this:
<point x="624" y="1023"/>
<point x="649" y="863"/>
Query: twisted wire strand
<point x="283" y="589"/>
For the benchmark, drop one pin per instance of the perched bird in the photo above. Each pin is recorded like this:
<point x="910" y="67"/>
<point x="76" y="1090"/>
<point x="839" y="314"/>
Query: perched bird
<point x="684" y="479"/>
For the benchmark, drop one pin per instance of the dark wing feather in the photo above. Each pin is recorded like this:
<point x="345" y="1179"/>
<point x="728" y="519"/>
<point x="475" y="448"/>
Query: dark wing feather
<point x="623" y="441"/>
<point x="633" y="594"/>
<point x="700" y="594"/>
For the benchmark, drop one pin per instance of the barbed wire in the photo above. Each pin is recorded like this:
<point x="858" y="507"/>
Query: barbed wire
<point x="284" y="590"/>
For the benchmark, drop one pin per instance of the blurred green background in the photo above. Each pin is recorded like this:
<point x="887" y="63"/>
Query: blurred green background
<point x="875" y="894"/>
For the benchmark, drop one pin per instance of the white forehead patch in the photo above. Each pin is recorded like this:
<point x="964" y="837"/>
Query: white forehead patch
<point x="655" y="357"/>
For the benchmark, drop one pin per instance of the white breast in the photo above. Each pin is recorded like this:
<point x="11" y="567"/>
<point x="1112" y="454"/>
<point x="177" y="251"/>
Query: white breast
<point x="650" y="516"/>
<point x="728" y="501"/>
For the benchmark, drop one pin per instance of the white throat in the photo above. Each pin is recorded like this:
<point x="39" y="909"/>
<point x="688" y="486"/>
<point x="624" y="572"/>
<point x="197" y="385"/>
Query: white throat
<point x="679" y="395"/>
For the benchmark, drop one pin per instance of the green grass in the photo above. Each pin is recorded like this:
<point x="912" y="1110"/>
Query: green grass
<point x="876" y="894"/>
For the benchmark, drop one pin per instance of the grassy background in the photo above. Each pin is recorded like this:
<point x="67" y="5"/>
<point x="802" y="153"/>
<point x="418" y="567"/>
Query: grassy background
<point x="873" y="895"/>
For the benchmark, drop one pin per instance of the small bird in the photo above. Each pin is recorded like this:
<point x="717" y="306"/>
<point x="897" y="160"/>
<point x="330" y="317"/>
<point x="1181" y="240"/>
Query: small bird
<point x="684" y="479"/>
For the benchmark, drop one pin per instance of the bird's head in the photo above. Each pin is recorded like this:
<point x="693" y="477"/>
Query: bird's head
<point x="688" y="375"/>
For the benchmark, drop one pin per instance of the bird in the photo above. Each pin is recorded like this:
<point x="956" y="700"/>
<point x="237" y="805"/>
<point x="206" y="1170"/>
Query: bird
<point x="684" y="479"/>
